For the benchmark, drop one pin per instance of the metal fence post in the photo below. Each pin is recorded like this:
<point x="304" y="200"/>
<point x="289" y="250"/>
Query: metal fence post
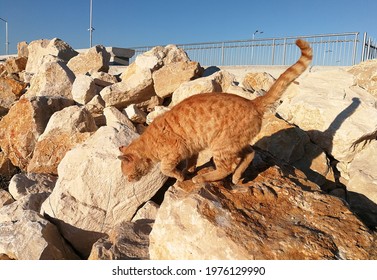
<point x="368" y="48"/>
<point x="354" y="48"/>
<point x="284" y="50"/>
<point x="273" y="52"/>
<point x="222" y="53"/>
<point x="363" y="47"/>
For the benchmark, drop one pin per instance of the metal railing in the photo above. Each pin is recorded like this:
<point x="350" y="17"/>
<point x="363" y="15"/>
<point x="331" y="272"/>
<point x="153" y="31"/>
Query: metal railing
<point x="328" y="49"/>
<point x="369" y="48"/>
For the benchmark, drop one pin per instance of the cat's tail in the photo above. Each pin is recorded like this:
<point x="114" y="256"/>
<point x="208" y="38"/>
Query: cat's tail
<point x="285" y="79"/>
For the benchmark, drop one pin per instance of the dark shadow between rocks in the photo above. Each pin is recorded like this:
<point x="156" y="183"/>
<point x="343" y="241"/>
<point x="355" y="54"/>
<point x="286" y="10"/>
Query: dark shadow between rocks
<point x="79" y="239"/>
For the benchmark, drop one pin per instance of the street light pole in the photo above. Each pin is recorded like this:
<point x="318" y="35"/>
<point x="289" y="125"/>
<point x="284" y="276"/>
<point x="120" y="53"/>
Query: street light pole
<point x="6" y="36"/>
<point x="252" y="44"/>
<point x="91" y="29"/>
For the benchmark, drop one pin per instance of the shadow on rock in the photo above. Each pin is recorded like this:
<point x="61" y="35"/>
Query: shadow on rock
<point x="361" y="205"/>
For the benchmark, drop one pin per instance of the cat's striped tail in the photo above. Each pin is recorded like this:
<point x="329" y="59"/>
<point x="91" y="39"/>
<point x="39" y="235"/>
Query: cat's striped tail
<point x="285" y="79"/>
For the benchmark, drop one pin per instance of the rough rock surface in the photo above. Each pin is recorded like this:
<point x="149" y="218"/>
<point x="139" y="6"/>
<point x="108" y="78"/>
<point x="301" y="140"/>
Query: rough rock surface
<point x="84" y="89"/>
<point x="65" y="129"/>
<point x="22" y="49"/>
<point x="334" y="119"/>
<point x="366" y="75"/>
<point x="7" y="169"/>
<point x="362" y="184"/>
<point x="138" y="88"/>
<point x="135" y="114"/>
<point x="159" y="56"/>
<point x="5" y="198"/>
<point x="95" y="59"/>
<point x="116" y="119"/>
<point x="25" y="235"/>
<point x="276" y="214"/>
<point x="10" y="91"/>
<point x="217" y="82"/>
<point x="127" y="241"/>
<point x="292" y="145"/>
<point x="87" y="202"/>
<point x="14" y="65"/>
<point x="53" y="78"/>
<point x="25" y="122"/>
<point x="168" y="78"/>
<point x="23" y="184"/>
<point x="158" y="110"/>
<point x="258" y="81"/>
<point x="39" y="48"/>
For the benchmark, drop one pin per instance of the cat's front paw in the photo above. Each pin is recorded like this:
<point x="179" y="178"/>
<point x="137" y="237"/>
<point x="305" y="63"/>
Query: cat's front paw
<point x="236" y="180"/>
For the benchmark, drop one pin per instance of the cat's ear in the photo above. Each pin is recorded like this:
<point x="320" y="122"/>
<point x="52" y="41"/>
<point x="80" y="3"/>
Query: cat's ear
<point x="126" y="157"/>
<point x="122" y="149"/>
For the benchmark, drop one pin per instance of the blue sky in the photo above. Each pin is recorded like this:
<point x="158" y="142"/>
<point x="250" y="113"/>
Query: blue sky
<point x="128" y="23"/>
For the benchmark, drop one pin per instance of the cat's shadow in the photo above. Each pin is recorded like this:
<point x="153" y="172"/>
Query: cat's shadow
<point x="355" y="200"/>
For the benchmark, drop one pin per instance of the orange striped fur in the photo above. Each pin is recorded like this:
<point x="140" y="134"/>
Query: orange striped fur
<point x="222" y="122"/>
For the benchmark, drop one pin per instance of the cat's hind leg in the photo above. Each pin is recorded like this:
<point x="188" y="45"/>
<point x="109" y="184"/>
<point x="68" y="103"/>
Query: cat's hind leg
<point x="224" y="167"/>
<point x="247" y="156"/>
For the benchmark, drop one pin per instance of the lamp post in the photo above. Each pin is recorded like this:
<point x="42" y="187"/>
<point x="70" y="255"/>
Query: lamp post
<point x="91" y="29"/>
<point x="6" y="36"/>
<point x="256" y="32"/>
<point x="252" y="44"/>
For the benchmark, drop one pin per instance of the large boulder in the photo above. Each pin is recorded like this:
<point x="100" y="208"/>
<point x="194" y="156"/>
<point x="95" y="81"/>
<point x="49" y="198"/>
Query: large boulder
<point x="126" y="241"/>
<point x="168" y="78"/>
<point x="366" y="75"/>
<point x="362" y="184"/>
<point x="10" y="92"/>
<point x="14" y="65"/>
<point x="53" y="78"/>
<point x="65" y="129"/>
<point x="159" y="56"/>
<point x="23" y="184"/>
<point x="39" y="48"/>
<point x="26" y="235"/>
<point x="137" y="81"/>
<point x="94" y="59"/>
<point x="258" y="81"/>
<point x="22" y="50"/>
<point x="218" y="82"/>
<point x="136" y="89"/>
<point x="341" y="118"/>
<point x="292" y="145"/>
<point x="92" y="195"/>
<point x="84" y="89"/>
<point x="25" y="122"/>
<point x="116" y="119"/>
<point x="275" y="214"/>
<point x="333" y="112"/>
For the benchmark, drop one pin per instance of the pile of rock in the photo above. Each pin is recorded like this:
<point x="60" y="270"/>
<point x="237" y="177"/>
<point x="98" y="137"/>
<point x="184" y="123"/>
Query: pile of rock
<point x="63" y="117"/>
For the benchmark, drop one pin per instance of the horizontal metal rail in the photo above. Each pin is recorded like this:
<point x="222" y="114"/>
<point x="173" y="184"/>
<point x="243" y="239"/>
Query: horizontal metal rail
<point x="328" y="49"/>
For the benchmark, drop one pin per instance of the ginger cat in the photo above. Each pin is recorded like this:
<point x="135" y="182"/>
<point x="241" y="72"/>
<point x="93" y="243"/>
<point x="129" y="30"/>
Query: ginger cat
<point x="224" y="123"/>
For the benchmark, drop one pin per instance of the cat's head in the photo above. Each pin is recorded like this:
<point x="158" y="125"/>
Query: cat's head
<point x="133" y="166"/>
